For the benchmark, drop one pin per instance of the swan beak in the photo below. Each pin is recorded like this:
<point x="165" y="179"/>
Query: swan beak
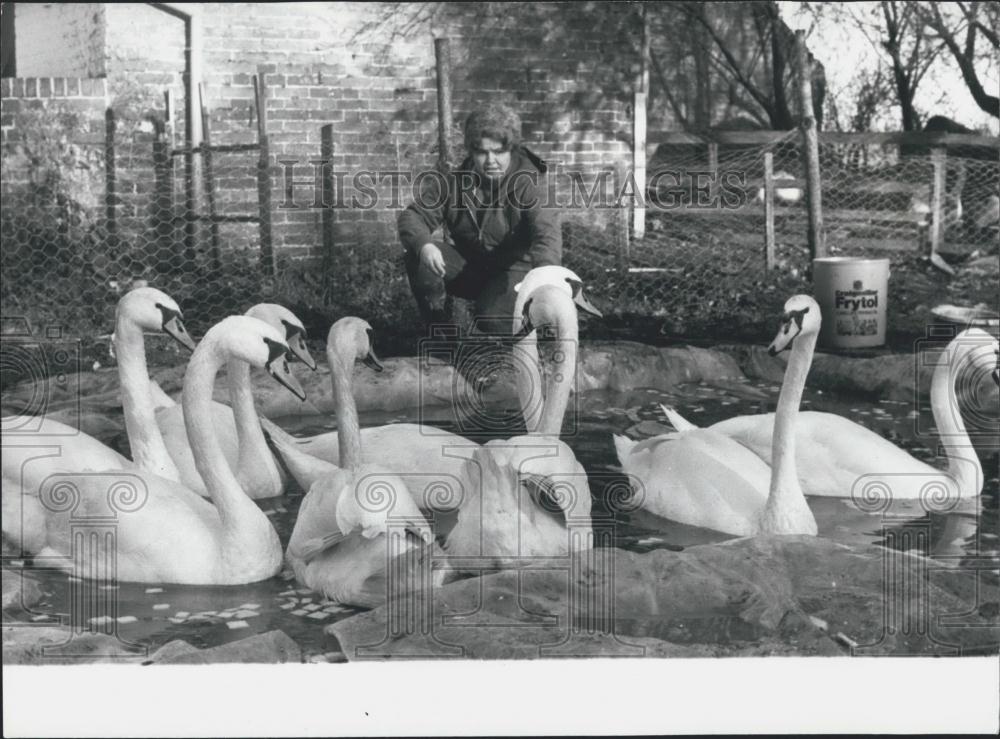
<point x="281" y="372"/>
<point x="370" y="360"/>
<point x="297" y="346"/>
<point x="581" y="302"/>
<point x="175" y="329"/>
<point x="526" y="328"/>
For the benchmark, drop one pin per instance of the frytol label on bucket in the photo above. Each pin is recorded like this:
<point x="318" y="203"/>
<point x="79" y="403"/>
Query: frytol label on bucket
<point x="857" y="311"/>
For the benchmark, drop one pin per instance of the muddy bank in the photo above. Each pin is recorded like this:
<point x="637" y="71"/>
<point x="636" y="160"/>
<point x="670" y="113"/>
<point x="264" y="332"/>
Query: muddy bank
<point x="408" y="382"/>
<point x="748" y="597"/>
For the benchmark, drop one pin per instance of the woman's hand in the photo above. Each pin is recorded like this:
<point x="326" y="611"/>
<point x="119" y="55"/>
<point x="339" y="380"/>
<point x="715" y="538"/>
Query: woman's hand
<point x="432" y="259"/>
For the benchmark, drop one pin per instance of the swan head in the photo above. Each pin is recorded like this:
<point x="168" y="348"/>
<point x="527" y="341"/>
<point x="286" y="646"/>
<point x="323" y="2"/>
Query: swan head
<point x="353" y="338"/>
<point x="548" y="308"/>
<point x="256" y="343"/>
<point x="983" y="352"/>
<point x="153" y="311"/>
<point x="801" y="317"/>
<point x="553" y="275"/>
<point x="283" y="319"/>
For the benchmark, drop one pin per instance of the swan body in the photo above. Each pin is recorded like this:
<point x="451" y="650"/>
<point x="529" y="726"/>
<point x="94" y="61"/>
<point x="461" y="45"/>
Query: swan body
<point x="167" y="533"/>
<point x="238" y="427"/>
<point x="837" y="457"/>
<point x="35" y="447"/>
<point x="703" y="478"/>
<point x="343" y="539"/>
<point x="529" y="496"/>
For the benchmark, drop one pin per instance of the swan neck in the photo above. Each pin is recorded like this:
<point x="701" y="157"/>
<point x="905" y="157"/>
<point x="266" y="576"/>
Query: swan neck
<point x="784" y="474"/>
<point x="963" y="462"/>
<point x="252" y="444"/>
<point x="561" y="375"/>
<point x="209" y="459"/>
<point x="348" y="426"/>
<point x="149" y="451"/>
<point x="528" y="377"/>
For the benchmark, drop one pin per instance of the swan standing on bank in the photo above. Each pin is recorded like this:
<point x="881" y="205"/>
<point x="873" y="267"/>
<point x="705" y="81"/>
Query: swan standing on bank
<point x="704" y="478"/>
<point x="170" y="534"/>
<point x="35" y="447"/>
<point x="341" y="543"/>
<point x="835" y="455"/>
<point x="527" y="496"/>
<point x="238" y="427"/>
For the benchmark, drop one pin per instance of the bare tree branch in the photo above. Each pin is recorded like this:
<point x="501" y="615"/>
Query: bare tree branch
<point x="966" y="60"/>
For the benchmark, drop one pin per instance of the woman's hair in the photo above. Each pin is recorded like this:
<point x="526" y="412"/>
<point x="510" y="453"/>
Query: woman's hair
<point x="493" y="121"/>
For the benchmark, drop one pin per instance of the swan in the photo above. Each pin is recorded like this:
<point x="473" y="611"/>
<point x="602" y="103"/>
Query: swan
<point x="835" y="454"/>
<point x="426" y="456"/>
<point x="704" y="478"/>
<point x="34" y="447"/>
<point x="169" y="534"/>
<point x="524" y="352"/>
<point x="341" y="541"/>
<point x="238" y="427"/>
<point x="529" y="496"/>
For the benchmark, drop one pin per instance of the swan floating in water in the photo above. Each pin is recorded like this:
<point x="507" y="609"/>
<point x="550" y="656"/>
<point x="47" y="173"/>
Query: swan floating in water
<point x="529" y="496"/>
<point x="703" y="478"/>
<point x="36" y="446"/>
<point x="238" y="427"/>
<point x="164" y="532"/>
<point x="837" y="457"/>
<point x="355" y="518"/>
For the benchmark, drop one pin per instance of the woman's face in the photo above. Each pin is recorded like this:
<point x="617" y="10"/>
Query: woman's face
<point x="491" y="158"/>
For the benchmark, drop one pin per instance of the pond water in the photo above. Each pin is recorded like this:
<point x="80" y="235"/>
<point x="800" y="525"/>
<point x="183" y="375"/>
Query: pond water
<point x="208" y="616"/>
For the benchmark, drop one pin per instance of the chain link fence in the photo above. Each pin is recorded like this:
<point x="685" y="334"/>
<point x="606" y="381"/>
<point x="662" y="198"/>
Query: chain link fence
<point x="91" y="205"/>
<point x="709" y="265"/>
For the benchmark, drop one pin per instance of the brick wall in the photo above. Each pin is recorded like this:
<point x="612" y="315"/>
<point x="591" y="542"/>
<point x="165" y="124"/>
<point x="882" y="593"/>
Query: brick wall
<point x="50" y="112"/>
<point x="373" y="79"/>
<point x="60" y="39"/>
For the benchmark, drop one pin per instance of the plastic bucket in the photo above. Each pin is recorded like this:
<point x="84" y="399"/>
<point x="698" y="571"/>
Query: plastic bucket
<point x="852" y="293"/>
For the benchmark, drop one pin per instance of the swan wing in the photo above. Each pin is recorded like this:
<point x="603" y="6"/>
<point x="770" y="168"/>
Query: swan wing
<point x="676" y="420"/>
<point x="832" y="453"/>
<point x="304" y="468"/>
<point x="699" y="478"/>
<point x="317" y="526"/>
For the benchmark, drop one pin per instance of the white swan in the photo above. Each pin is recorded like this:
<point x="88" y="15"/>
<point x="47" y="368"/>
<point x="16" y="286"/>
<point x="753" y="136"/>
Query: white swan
<point x="170" y="534"/>
<point x="524" y="353"/>
<point x="529" y="496"/>
<point x="34" y="447"/>
<point x="425" y="456"/>
<point x="238" y="427"/>
<point x="340" y="545"/>
<point x="837" y="457"/>
<point x="703" y="478"/>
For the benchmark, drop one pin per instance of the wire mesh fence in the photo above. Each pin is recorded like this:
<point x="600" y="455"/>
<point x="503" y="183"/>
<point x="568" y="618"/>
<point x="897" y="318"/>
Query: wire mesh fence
<point x="92" y="204"/>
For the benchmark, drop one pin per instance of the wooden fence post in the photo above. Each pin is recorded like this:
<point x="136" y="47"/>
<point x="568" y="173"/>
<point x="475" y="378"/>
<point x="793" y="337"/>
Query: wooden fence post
<point x="639" y="102"/>
<point x="110" y="180"/>
<point x="163" y="192"/>
<point x="769" y="256"/>
<point x="810" y="145"/>
<point x="263" y="177"/>
<point x="327" y="199"/>
<point x="442" y="54"/>
<point x="208" y="174"/>
<point x="939" y="162"/>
